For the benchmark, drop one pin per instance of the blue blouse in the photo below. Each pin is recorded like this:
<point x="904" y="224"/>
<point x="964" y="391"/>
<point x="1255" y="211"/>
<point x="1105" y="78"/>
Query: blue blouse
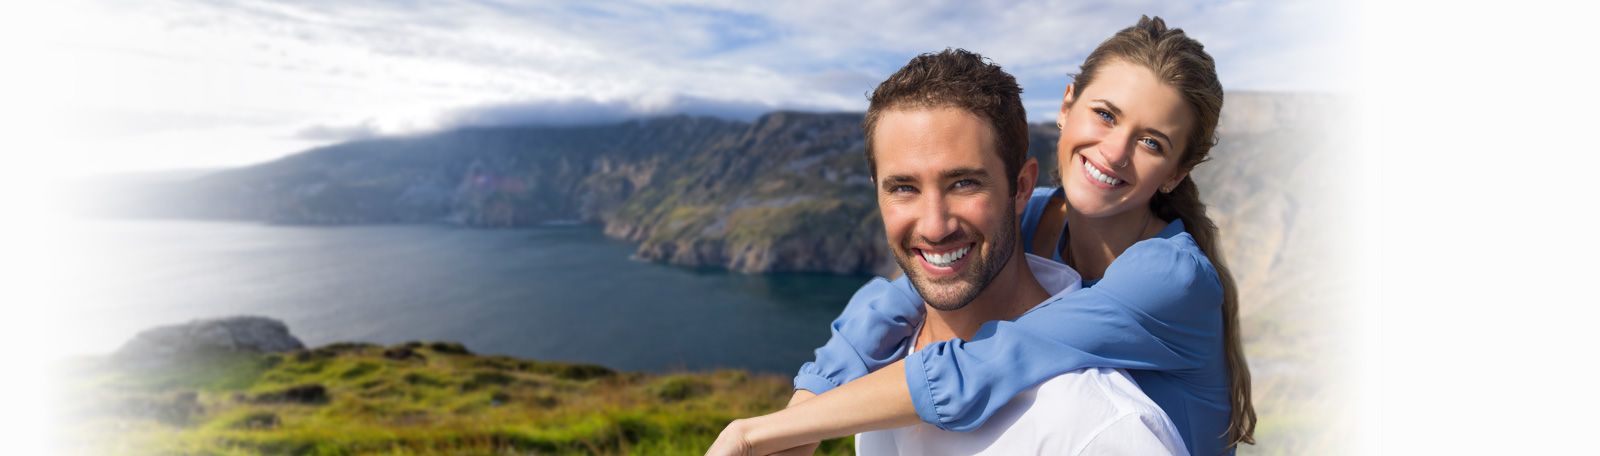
<point x="1157" y="313"/>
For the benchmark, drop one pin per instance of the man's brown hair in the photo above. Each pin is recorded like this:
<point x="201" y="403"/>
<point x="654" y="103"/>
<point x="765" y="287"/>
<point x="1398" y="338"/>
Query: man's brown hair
<point x="957" y="78"/>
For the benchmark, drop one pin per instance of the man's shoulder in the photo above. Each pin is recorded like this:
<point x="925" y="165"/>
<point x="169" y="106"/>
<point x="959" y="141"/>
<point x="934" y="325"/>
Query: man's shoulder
<point x="1104" y="400"/>
<point x="1095" y="395"/>
<point x="1064" y="415"/>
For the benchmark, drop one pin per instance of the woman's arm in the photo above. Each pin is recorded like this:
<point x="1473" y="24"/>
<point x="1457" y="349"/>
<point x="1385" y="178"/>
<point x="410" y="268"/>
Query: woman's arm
<point x="869" y="334"/>
<point x="1158" y="308"/>
<point x="807" y="449"/>
<point x="876" y="401"/>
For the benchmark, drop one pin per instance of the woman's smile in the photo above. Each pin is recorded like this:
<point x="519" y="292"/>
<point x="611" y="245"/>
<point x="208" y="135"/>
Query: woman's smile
<point x="1100" y="177"/>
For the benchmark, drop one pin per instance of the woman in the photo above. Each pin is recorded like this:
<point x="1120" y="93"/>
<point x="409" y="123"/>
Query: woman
<point x="1157" y="301"/>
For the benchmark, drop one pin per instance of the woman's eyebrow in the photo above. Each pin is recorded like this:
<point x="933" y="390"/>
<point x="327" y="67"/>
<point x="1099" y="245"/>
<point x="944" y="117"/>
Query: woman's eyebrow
<point x="1163" y="136"/>
<point x="1118" y="111"/>
<point x="1109" y="106"/>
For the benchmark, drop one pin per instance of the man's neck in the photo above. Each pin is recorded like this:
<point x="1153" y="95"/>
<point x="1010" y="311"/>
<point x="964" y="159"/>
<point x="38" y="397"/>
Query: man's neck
<point x="1013" y="291"/>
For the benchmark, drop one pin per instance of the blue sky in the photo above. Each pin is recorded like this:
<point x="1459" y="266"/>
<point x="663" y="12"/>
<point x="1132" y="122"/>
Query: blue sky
<point x="183" y="84"/>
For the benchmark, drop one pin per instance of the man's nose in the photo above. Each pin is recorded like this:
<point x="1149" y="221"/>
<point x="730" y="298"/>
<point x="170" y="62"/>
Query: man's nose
<point x="936" y="223"/>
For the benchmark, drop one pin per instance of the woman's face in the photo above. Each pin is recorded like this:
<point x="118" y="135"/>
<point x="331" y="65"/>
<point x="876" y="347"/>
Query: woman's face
<point x="1121" y="140"/>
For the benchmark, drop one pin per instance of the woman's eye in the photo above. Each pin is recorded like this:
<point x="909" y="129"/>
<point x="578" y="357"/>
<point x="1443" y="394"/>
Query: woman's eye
<point x="1151" y="143"/>
<point x="1105" y="116"/>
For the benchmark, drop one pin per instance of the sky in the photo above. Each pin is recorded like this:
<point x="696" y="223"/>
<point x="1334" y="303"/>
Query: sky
<point x="156" y="85"/>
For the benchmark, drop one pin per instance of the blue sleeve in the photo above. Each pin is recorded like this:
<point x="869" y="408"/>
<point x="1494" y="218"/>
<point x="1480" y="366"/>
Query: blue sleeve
<point x="1157" y="308"/>
<point x="869" y="334"/>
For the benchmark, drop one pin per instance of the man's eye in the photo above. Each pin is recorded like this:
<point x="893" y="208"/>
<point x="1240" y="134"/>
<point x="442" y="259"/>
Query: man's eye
<point x="902" y="189"/>
<point x="964" y="183"/>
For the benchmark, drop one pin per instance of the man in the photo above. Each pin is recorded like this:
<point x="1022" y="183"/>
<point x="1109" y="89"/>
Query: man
<point x="947" y="146"/>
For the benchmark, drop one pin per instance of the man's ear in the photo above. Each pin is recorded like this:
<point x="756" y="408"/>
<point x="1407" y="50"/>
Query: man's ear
<point x="1066" y="103"/>
<point x="1025" y="182"/>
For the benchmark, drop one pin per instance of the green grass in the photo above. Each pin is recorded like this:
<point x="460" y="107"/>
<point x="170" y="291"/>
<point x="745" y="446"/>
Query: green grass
<point x="438" y="400"/>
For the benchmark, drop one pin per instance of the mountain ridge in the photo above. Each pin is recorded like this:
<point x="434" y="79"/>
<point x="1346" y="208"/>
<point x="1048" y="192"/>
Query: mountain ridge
<point x="787" y="192"/>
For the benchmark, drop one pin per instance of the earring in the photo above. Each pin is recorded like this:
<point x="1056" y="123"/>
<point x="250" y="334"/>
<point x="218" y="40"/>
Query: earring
<point x="1059" y="126"/>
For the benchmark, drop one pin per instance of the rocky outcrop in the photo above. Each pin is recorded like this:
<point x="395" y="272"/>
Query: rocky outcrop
<point x="244" y="334"/>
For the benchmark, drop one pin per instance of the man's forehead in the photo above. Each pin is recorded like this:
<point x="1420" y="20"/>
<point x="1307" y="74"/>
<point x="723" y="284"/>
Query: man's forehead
<point x="941" y="141"/>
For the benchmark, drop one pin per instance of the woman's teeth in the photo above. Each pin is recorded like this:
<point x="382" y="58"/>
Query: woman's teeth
<point x="1097" y="175"/>
<point x="945" y="259"/>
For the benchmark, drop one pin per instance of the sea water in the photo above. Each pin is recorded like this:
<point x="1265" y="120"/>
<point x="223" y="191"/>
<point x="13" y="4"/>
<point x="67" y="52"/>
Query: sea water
<point x="560" y="293"/>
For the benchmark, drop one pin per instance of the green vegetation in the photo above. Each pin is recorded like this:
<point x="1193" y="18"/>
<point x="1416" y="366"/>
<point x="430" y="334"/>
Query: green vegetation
<point x="415" y="398"/>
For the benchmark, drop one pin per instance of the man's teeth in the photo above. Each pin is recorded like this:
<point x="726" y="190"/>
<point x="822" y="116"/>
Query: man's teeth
<point x="945" y="259"/>
<point x="1095" y="173"/>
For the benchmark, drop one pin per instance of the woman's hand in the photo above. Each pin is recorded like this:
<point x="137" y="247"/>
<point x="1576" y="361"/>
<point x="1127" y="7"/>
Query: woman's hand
<point x="880" y="400"/>
<point x="737" y="439"/>
<point x="732" y="441"/>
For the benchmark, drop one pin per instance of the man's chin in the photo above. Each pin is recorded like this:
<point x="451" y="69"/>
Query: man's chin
<point x="946" y="295"/>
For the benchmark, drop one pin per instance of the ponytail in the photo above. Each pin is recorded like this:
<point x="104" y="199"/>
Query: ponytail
<point x="1183" y="203"/>
<point x="1182" y="63"/>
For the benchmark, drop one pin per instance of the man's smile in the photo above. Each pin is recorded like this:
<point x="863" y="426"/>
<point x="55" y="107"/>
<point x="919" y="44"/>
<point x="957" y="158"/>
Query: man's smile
<point x="944" y="262"/>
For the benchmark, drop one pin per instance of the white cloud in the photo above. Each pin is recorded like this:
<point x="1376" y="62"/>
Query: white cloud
<point x="325" y="71"/>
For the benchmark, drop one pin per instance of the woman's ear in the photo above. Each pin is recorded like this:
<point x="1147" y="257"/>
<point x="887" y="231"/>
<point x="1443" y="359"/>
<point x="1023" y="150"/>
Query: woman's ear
<point x="1026" y="179"/>
<point x="1172" y="184"/>
<point x="1066" y="103"/>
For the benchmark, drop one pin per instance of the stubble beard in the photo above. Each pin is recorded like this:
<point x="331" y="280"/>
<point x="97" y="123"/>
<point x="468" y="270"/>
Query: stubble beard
<point x="956" y="292"/>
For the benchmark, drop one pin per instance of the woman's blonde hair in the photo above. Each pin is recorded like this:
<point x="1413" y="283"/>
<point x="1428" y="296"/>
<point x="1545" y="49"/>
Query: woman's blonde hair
<point x="1182" y="63"/>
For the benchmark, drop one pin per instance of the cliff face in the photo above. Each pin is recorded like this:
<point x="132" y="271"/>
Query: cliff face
<point x="787" y="192"/>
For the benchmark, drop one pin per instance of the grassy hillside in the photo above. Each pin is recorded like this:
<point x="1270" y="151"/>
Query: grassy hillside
<point x="416" y="398"/>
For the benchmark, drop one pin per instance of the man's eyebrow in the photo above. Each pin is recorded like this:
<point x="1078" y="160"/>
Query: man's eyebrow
<point x="897" y="179"/>
<point x="963" y="172"/>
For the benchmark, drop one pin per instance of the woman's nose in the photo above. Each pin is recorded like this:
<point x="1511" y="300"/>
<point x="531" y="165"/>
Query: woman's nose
<point x="1117" y="151"/>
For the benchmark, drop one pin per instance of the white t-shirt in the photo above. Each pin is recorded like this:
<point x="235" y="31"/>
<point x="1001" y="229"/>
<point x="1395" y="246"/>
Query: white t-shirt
<point x="1084" y="412"/>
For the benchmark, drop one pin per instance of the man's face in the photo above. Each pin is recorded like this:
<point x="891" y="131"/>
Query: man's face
<point x="947" y="207"/>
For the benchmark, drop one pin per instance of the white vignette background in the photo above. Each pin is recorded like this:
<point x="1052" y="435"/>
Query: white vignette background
<point x="1470" y="152"/>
